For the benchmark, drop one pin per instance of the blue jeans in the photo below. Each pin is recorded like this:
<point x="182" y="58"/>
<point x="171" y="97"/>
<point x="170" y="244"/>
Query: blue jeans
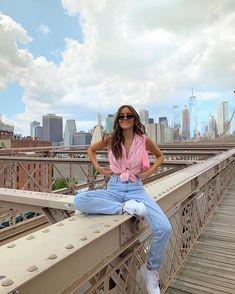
<point x="110" y="201"/>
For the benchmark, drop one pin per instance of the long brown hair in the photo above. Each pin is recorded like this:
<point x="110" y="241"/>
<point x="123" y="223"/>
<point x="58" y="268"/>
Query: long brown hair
<point x="117" y="135"/>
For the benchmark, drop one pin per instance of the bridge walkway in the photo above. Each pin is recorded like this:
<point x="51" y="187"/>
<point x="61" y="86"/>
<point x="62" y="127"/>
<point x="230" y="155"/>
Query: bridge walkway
<point x="210" y="265"/>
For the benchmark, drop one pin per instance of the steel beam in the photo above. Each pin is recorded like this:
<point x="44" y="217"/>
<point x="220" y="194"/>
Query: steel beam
<point x="67" y="253"/>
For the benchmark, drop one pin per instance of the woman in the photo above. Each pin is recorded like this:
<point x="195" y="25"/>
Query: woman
<point x="125" y="192"/>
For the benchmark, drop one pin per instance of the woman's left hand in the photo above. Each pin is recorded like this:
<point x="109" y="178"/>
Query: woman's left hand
<point x="145" y="174"/>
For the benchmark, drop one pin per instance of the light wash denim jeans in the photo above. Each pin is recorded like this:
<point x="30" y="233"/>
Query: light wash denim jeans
<point x="110" y="201"/>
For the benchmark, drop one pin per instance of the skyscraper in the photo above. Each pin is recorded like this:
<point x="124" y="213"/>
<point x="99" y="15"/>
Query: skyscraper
<point x="163" y="120"/>
<point x="212" y="127"/>
<point x="222" y="118"/>
<point x="33" y="124"/>
<point x="176" y="117"/>
<point x="82" y="139"/>
<point x="52" y="128"/>
<point x="144" y="116"/>
<point x="99" y="118"/>
<point x="109" y="122"/>
<point x="38" y="132"/>
<point x="185" y="123"/>
<point x="163" y="123"/>
<point x="69" y="131"/>
<point x="97" y="131"/>
<point x="193" y="115"/>
<point x="204" y="127"/>
<point x="151" y="130"/>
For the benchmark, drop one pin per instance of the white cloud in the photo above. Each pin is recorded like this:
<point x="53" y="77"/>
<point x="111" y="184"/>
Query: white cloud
<point x="44" y="29"/>
<point x="158" y="45"/>
<point x="138" y="52"/>
<point x="12" y="59"/>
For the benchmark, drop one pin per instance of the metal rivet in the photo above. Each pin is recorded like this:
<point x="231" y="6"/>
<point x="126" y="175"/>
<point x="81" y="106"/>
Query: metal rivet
<point x="32" y="268"/>
<point x="52" y="256"/>
<point x="7" y="282"/>
<point x="46" y="231"/>
<point x="84" y="238"/>
<point x="60" y="225"/>
<point x="96" y="231"/>
<point x="30" y="237"/>
<point x="11" y="245"/>
<point x="107" y="225"/>
<point x="69" y="246"/>
<point x="115" y="220"/>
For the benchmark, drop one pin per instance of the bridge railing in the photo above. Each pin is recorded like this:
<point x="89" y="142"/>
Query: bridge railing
<point x="56" y="175"/>
<point x="102" y="254"/>
<point x="189" y="217"/>
<point x="44" y="173"/>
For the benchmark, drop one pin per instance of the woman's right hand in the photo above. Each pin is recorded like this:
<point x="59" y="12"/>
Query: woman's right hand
<point x="106" y="171"/>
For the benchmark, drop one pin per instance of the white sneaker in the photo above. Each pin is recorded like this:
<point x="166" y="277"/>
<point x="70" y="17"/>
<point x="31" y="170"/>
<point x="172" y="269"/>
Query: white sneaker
<point x="134" y="208"/>
<point x="151" y="279"/>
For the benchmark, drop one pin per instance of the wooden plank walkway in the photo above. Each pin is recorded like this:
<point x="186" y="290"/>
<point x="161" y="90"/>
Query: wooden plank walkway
<point x="210" y="266"/>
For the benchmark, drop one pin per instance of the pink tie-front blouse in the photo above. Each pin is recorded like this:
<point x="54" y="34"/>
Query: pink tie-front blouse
<point x="132" y="165"/>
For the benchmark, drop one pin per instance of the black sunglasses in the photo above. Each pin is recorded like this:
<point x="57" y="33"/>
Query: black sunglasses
<point x="127" y="116"/>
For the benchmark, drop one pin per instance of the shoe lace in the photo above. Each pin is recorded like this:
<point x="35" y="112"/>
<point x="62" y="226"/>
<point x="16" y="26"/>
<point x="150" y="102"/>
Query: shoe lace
<point x="157" y="278"/>
<point x="154" y="276"/>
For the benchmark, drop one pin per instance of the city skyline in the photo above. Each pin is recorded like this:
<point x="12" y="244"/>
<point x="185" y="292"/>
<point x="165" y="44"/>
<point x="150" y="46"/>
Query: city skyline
<point x="177" y="119"/>
<point x="101" y="118"/>
<point x="99" y="56"/>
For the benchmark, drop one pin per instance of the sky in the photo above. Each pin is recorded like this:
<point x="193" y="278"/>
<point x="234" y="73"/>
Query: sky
<point x="76" y="58"/>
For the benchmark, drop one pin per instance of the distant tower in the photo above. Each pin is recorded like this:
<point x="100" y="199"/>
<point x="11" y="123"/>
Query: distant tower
<point x="163" y="123"/>
<point x="222" y="118"/>
<point x="38" y="132"/>
<point x="152" y="131"/>
<point x="193" y="115"/>
<point x="144" y="116"/>
<point x="163" y="120"/>
<point x="99" y="119"/>
<point x="212" y="127"/>
<point x="176" y="117"/>
<point x="32" y="128"/>
<point x="109" y="122"/>
<point x="186" y="123"/>
<point x="204" y="127"/>
<point x="97" y="132"/>
<point x="52" y="128"/>
<point x="82" y="139"/>
<point x="69" y="131"/>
